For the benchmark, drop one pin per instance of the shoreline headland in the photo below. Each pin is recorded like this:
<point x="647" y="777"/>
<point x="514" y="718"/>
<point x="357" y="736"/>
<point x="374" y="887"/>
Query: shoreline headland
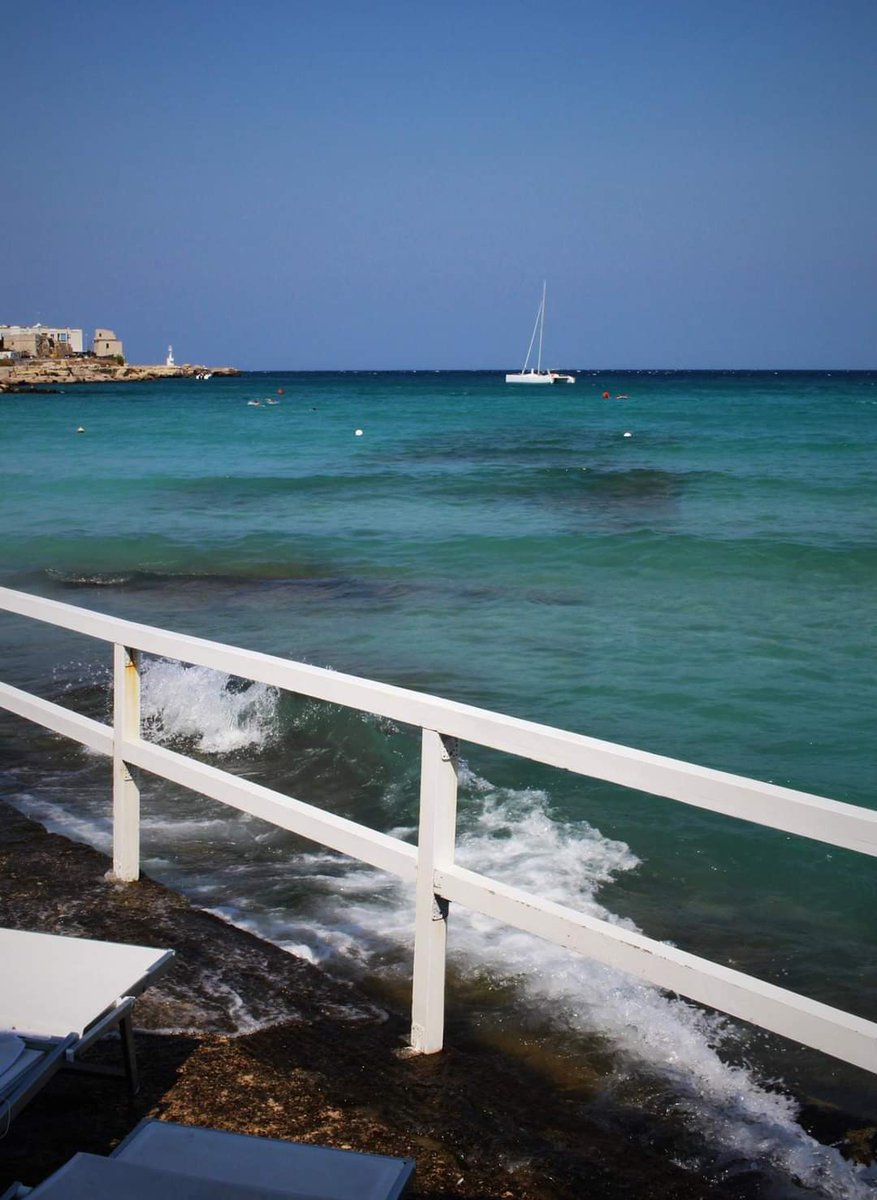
<point x="54" y="373"/>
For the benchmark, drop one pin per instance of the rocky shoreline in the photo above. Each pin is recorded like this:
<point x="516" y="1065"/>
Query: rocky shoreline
<point x="25" y="376"/>
<point x="243" y="1036"/>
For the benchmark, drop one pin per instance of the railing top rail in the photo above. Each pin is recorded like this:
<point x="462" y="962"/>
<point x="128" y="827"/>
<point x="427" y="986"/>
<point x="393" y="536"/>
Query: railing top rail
<point x="807" y="815"/>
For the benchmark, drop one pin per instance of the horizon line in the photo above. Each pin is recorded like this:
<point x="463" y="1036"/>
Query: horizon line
<point x="578" y="370"/>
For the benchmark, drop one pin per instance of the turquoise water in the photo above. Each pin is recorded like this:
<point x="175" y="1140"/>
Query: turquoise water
<point x="702" y="588"/>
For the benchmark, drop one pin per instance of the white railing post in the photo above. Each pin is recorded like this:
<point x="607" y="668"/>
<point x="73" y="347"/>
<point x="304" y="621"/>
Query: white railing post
<point x="438" y="821"/>
<point x="126" y="793"/>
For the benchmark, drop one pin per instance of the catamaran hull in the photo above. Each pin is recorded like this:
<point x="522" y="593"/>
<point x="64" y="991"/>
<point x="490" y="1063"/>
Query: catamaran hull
<point x="538" y="377"/>
<point x="529" y="377"/>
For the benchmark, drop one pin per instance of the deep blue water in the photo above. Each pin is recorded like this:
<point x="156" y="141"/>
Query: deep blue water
<point x="702" y="588"/>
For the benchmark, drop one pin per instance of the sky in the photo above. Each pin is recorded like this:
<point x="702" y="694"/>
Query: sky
<point x="350" y="185"/>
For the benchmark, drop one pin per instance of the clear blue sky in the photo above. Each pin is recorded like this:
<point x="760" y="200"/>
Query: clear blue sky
<point x="342" y="183"/>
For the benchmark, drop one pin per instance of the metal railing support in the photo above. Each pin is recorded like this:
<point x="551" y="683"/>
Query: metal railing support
<point x="126" y="792"/>
<point x="438" y="824"/>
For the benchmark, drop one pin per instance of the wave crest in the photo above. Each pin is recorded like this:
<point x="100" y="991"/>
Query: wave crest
<point x="211" y="711"/>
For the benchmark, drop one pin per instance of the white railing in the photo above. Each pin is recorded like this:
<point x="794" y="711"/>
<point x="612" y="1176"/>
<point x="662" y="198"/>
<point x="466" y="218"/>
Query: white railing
<point x="439" y="881"/>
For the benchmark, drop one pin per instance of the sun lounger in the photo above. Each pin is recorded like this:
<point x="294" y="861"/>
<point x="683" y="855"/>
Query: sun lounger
<point x="58" y="995"/>
<point x="163" y="1161"/>
<point x="291" y="1168"/>
<point x="89" y="1177"/>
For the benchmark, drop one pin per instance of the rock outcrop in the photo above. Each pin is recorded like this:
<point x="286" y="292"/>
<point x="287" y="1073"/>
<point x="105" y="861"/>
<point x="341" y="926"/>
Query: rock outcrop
<point x="27" y="373"/>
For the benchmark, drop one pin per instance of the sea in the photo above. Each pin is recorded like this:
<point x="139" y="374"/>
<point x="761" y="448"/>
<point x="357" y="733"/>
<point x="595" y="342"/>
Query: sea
<point x="681" y="562"/>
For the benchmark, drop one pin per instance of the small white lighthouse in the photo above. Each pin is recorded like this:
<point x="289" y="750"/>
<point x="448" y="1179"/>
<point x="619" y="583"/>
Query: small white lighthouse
<point x="169" y="361"/>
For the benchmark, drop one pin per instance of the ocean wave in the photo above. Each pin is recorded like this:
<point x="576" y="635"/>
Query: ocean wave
<point x="90" y="578"/>
<point x="512" y="835"/>
<point x="213" y="711"/>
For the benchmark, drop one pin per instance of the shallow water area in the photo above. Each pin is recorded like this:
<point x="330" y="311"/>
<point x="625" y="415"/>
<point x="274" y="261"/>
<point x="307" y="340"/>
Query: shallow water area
<point x="702" y="589"/>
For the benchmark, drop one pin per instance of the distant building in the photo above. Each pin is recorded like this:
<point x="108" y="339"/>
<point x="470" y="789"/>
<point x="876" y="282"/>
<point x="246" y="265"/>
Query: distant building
<point x="106" y="344"/>
<point x="41" y="341"/>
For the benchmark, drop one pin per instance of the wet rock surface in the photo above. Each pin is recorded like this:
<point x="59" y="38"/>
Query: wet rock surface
<point x="240" y="1035"/>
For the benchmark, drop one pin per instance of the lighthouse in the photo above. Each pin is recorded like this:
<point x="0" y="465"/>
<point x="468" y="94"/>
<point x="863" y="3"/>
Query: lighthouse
<point x="169" y="361"/>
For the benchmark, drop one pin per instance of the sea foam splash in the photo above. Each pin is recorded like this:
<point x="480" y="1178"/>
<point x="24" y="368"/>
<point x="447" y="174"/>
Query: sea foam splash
<point x="511" y="835"/>
<point x="514" y="838"/>
<point x="214" y="711"/>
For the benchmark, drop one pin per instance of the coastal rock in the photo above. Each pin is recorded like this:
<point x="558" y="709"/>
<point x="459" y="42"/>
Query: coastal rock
<point x="24" y="375"/>
<point x="240" y="1035"/>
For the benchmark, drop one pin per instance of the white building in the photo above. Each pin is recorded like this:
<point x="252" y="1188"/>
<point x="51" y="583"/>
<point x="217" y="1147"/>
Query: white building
<point x="41" y="341"/>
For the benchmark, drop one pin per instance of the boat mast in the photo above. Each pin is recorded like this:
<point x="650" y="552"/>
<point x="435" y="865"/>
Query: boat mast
<point x="538" y="324"/>
<point x="541" y="325"/>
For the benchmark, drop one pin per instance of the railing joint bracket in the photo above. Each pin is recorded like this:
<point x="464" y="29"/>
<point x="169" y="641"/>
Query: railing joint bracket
<point x="450" y="748"/>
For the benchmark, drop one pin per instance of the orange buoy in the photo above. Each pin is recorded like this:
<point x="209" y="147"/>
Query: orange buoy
<point x="605" y="395"/>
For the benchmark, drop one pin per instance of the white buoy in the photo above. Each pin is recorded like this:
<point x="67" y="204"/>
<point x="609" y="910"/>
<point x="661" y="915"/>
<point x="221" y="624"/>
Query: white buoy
<point x="359" y="433"/>
<point x="80" y="429"/>
<point x="628" y="435"/>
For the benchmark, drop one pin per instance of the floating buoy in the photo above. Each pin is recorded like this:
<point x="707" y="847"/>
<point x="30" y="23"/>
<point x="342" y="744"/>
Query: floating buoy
<point x="628" y="435"/>
<point x="359" y="433"/>
<point x="605" y="395"/>
<point x="280" y="391"/>
<point x="80" y="429"/>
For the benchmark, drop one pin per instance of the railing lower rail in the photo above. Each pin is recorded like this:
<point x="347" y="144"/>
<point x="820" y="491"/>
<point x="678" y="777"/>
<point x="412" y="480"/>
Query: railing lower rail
<point x="430" y="864"/>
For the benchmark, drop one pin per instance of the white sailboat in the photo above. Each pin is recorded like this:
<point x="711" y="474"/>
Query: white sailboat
<point x="528" y="374"/>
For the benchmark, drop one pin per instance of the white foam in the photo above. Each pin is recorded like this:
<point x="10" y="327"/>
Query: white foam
<point x="206" y="708"/>
<point x="196" y="829"/>
<point x="299" y="950"/>
<point x="93" y="830"/>
<point x="512" y="836"/>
